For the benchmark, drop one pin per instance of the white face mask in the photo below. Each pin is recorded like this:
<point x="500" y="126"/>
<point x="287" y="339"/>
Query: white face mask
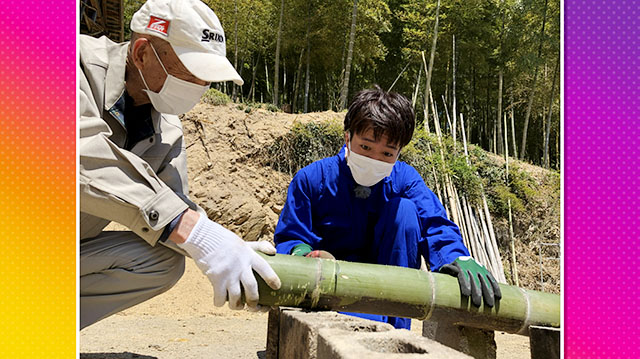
<point x="176" y="96"/>
<point x="367" y="171"/>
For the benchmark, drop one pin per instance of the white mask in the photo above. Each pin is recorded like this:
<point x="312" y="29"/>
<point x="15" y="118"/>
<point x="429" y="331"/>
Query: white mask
<point x="367" y="171"/>
<point x="176" y="96"/>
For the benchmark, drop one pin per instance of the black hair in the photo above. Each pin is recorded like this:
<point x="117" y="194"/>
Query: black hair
<point x="387" y="113"/>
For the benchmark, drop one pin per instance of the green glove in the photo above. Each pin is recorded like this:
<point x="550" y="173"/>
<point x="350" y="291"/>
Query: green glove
<point x="475" y="280"/>
<point x="301" y="250"/>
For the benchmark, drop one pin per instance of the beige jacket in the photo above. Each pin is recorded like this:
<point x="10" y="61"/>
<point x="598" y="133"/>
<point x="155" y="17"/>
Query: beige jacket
<point x="142" y="189"/>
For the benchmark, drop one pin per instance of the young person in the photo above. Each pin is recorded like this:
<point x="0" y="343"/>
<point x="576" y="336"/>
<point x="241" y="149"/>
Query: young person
<point x="364" y="205"/>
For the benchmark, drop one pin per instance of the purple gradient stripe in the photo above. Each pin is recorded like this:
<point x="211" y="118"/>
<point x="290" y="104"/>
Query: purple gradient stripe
<point x="602" y="238"/>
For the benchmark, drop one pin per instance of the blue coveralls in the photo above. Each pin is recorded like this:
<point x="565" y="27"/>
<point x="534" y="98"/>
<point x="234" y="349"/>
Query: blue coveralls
<point x="400" y="220"/>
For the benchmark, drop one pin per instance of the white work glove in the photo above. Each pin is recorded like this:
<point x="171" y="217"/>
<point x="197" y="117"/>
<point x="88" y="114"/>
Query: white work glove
<point x="228" y="261"/>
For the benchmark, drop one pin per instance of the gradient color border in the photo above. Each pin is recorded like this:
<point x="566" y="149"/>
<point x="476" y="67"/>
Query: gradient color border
<point x="37" y="179"/>
<point x="38" y="166"/>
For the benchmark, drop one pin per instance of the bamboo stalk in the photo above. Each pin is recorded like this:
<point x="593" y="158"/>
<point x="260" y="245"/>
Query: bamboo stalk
<point x="396" y="291"/>
<point x="514" y="266"/>
<point x="478" y="253"/>
<point x="464" y="228"/>
<point x="492" y="247"/>
<point x="400" y="74"/>
<point x="447" y="181"/>
<point x="427" y="93"/>
<point x="429" y="70"/>
<point x="453" y="87"/>
<point x="446" y="111"/>
<point x="414" y="98"/>
<point x="490" y="237"/>
<point x="494" y="260"/>
<point x="472" y="236"/>
<point x="464" y="139"/>
<point x="435" y="176"/>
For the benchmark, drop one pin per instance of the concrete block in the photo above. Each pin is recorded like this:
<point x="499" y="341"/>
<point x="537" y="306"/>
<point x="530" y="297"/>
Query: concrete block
<point x="335" y="343"/>
<point x="273" y="333"/>
<point x="296" y="330"/>
<point x="544" y="342"/>
<point x="478" y="343"/>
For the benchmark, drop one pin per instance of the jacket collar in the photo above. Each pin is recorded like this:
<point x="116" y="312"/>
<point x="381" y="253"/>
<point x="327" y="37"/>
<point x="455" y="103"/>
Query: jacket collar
<point x="114" y="81"/>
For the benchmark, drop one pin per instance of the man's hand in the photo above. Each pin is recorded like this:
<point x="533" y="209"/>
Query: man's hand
<point x="475" y="280"/>
<point x="305" y="250"/>
<point x="225" y="259"/>
<point x="320" y="254"/>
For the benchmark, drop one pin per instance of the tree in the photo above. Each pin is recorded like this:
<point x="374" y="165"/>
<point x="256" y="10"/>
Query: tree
<point x="347" y="70"/>
<point x="502" y="48"/>
<point x="276" y="77"/>
<point x="533" y="86"/>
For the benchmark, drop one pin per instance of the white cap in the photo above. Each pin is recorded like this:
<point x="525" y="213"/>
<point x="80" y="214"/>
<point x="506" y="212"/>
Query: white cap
<point x="195" y="34"/>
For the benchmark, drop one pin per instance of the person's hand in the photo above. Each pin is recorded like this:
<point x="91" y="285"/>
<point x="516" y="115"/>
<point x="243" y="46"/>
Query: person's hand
<point x="305" y="250"/>
<point x="301" y="250"/>
<point x="229" y="262"/>
<point x="475" y="280"/>
<point x="320" y="254"/>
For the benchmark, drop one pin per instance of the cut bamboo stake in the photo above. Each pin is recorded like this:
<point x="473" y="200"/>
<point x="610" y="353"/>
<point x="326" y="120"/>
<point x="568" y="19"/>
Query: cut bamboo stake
<point x="435" y="176"/>
<point x="447" y="183"/>
<point x="514" y="265"/>
<point x="491" y="245"/>
<point x="513" y="131"/>
<point x="446" y="111"/>
<point x="490" y="238"/>
<point x="463" y="224"/>
<point x="396" y="291"/>
<point x="429" y="70"/>
<point x="453" y="105"/>
<point x="484" y="254"/>
<point x="427" y="93"/>
<point x="464" y="139"/>
<point x="400" y="74"/>
<point x="478" y="252"/>
<point x="414" y="98"/>
<point x="495" y="260"/>
<point x="473" y="235"/>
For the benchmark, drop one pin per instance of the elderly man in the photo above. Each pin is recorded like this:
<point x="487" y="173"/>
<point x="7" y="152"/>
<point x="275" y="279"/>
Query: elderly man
<point x="133" y="165"/>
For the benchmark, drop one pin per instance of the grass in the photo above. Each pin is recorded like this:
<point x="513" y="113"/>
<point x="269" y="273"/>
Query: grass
<point x="304" y="144"/>
<point x="215" y="97"/>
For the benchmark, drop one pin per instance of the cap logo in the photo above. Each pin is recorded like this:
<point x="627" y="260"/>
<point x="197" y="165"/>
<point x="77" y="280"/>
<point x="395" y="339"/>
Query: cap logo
<point x="158" y="25"/>
<point x="208" y="36"/>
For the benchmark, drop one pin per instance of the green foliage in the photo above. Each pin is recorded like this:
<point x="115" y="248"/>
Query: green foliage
<point x="273" y="108"/>
<point x="215" y="97"/>
<point x="498" y="198"/>
<point x="130" y="7"/>
<point x="424" y="154"/>
<point x="304" y="144"/>
<point x="522" y="184"/>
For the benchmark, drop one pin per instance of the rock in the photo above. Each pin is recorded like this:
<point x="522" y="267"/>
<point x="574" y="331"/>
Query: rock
<point x="277" y="209"/>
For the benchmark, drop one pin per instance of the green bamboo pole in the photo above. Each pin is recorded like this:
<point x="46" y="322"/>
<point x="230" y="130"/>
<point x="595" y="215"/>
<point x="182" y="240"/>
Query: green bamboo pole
<point x="379" y="289"/>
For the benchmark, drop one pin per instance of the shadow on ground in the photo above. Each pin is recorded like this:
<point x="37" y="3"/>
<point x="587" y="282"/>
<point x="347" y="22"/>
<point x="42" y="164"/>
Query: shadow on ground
<point x="123" y="355"/>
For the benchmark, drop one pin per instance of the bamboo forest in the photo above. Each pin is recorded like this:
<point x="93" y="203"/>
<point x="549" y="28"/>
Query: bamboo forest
<point x="492" y="66"/>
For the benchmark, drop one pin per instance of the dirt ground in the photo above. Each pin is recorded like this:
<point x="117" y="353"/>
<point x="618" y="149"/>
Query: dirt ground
<point x="227" y="180"/>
